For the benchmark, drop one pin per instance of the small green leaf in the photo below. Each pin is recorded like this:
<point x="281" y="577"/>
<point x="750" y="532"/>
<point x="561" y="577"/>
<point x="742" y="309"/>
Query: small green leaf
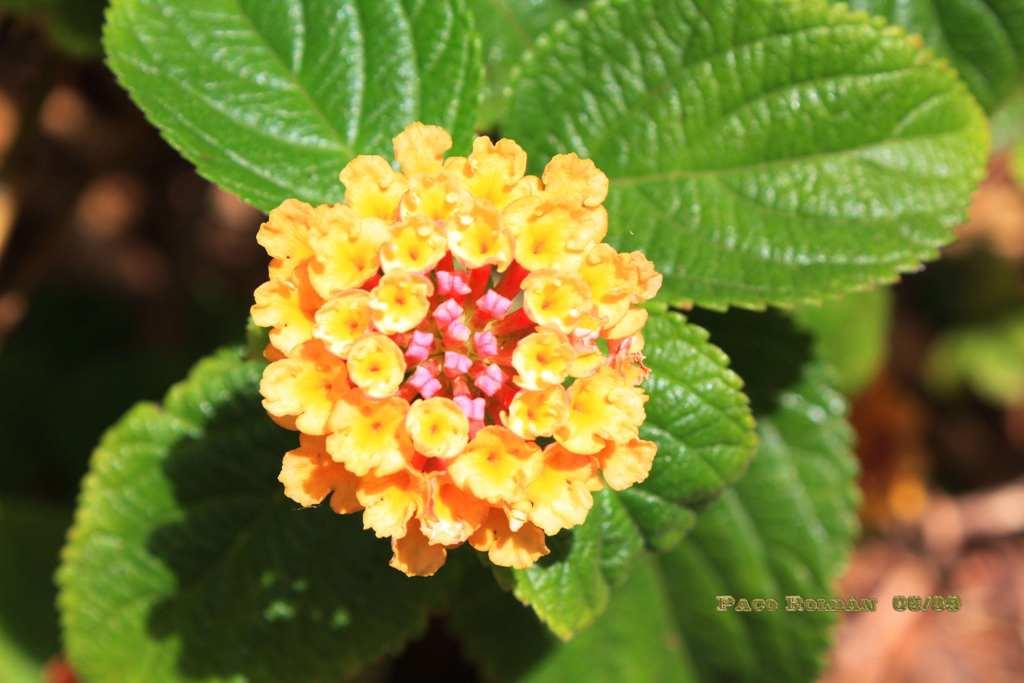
<point x="507" y="29"/>
<point x="271" y="98"/>
<point x="31" y="533"/>
<point x="762" y="151"/>
<point x="851" y="334"/>
<point x="701" y="420"/>
<point x="187" y="563"/>
<point x="986" y="358"/>
<point x="784" y="529"/>
<point x="984" y="39"/>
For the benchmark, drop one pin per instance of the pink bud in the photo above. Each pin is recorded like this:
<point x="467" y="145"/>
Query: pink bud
<point x="420" y="377"/>
<point x="456" y="363"/>
<point x="419" y="346"/>
<point x="490" y="380"/>
<point x="452" y="283"/>
<point x="447" y="311"/>
<point x="457" y="331"/>
<point x="472" y="407"/>
<point x="486" y="344"/>
<point x="493" y="304"/>
<point x="421" y="338"/>
<point x="431" y="388"/>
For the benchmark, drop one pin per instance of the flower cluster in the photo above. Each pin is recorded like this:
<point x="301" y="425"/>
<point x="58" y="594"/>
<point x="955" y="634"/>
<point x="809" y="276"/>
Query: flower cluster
<point x="460" y="352"/>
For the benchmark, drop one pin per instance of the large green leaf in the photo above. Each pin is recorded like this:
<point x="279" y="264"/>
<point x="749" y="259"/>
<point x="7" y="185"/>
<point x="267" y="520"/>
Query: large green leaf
<point x="270" y="98"/>
<point x="186" y="562"/>
<point x="984" y="39"/>
<point x="852" y="335"/>
<point x="784" y="529"/>
<point x="507" y="29"/>
<point x="31" y="533"/>
<point x="702" y="423"/>
<point x="765" y="151"/>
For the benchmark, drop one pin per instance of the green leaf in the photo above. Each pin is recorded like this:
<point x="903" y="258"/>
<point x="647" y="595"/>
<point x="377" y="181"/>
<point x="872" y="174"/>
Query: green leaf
<point x="852" y="335"/>
<point x="507" y="29"/>
<point x="762" y="151"/>
<point x="271" y="98"/>
<point x="784" y="529"/>
<point x="1007" y="122"/>
<point x="31" y="533"/>
<point x="701" y="421"/>
<point x="986" y="358"/>
<point x="984" y="39"/>
<point x="186" y="562"/>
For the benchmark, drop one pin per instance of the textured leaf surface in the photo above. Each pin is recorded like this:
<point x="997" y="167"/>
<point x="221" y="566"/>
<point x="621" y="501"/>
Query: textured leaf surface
<point x="507" y="29"/>
<point x="31" y="533"/>
<point x="852" y="335"/>
<point x="271" y="98"/>
<point x="761" y="151"/>
<point x="187" y="563"/>
<point x="784" y="529"/>
<point x="701" y="421"/>
<point x="984" y="39"/>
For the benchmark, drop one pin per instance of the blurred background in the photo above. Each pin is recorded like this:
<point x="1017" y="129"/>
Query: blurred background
<point x="119" y="267"/>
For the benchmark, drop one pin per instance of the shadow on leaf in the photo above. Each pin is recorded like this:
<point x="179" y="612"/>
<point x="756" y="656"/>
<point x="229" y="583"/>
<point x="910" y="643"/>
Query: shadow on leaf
<point x="765" y="348"/>
<point x="265" y="590"/>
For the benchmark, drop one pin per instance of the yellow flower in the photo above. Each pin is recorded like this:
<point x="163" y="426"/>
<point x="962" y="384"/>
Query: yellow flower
<point x="416" y="246"/>
<point x="369" y="434"/>
<point x="602" y="407"/>
<point x="451" y="515"/>
<point x="560" y="496"/>
<point x="538" y="413"/>
<point x="376" y="365"/>
<point x="286" y="235"/>
<point x="557" y="300"/>
<point x="496" y="465"/>
<point x="400" y="301"/>
<point x="542" y="359"/>
<point x="507" y="548"/>
<point x="309" y="475"/>
<point x="288" y="309"/>
<point x="305" y="387"/>
<point x="626" y="464"/>
<point x="429" y="334"/>
<point x="553" y="234"/>
<point x="414" y="555"/>
<point x="340" y="321"/>
<point x="372" y="188"/>
<point x="612" y="279"/>
<point x="495" y="172"/>
<point x="627" y="326"/>
<point x="390" y="502"/>
<point x="419" y="149"/>
<point x="479" y="238"/>
<point x="346" y="250"/>
<point x="575" y="179"/>
<point x="438" y="427"/>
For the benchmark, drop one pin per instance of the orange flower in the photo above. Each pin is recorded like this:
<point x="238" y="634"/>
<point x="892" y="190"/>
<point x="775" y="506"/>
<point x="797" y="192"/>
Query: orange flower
<point x="426" y="334"/>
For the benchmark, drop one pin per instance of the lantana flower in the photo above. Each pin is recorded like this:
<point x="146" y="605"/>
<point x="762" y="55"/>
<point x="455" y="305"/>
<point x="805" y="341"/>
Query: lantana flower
<point x="458" y="349"/>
